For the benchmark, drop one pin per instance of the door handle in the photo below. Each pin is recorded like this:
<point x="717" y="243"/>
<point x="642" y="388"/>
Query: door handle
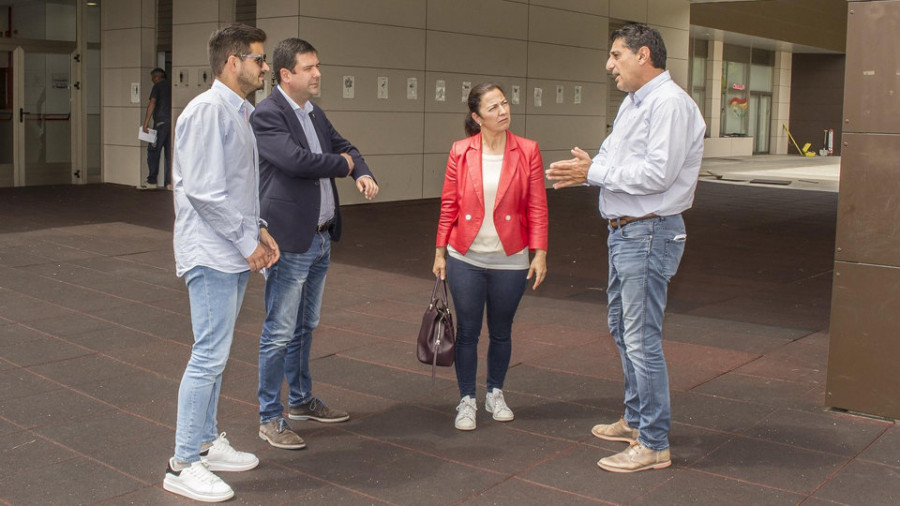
<point x="21" y="115"/>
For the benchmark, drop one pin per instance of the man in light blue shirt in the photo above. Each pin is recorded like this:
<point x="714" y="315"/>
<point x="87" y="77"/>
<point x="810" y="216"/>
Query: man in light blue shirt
<point x="647" y="173"/>
<point x="219" y="239"/>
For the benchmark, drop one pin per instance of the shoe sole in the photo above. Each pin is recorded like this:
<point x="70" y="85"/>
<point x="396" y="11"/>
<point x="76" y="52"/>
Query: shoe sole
<point x="464" y="428"/>
<point x="230" y="468"/>
<point x="176" y="488"/>
<point x="613" y="438"/>
<point x="318" y="419"/>
<point x="660" y="465"/>
<point x="279" y="445"/>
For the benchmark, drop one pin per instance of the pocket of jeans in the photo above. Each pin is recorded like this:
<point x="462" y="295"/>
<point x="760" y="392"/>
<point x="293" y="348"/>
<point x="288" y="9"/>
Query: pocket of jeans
<point x="673" y="253"/>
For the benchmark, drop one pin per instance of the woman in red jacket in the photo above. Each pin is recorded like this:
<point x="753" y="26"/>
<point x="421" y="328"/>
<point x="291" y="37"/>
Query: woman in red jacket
<point x="493" y="211"/>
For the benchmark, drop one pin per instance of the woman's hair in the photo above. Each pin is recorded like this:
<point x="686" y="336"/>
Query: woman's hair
<point x="474" y="101"/>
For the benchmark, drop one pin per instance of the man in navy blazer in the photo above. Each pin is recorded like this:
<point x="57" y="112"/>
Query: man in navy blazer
<point x="300" y="155"/>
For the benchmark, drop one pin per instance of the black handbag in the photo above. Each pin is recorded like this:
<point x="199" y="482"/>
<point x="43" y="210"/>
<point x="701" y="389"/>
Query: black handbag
<point x="437" y="339"/>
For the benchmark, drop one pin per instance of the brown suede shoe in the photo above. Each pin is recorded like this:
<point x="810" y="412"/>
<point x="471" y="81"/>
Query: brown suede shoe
<point x="636" y="458"/>
<point x="317" y="410"/>
<point x="619" y="431"/>
<point x="279" y="434"/>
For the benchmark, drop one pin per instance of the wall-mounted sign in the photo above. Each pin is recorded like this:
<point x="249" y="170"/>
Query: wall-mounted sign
<point x="739" y="87"/>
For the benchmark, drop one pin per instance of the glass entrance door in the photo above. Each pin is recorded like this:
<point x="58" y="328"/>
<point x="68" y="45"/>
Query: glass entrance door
<point x="7" y="144"/>
<point x="46" y="119"/>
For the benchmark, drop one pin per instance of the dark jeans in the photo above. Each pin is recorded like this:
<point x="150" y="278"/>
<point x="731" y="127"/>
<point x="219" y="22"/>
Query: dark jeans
<point x="473" y="288"/>
<point x="153" y="155"/>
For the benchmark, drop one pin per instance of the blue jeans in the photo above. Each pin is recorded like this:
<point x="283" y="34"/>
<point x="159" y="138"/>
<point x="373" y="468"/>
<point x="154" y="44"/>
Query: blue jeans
<point x="472" y="288"/>
<point x="153" y="154"/>
<point x="643" y="257"/>
<point x="215" y="303"/>
<point x="294" y="289"/>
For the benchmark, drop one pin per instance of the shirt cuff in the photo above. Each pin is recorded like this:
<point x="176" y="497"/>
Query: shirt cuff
<point x="247" y="244"/>
<point x="596" y="174"/>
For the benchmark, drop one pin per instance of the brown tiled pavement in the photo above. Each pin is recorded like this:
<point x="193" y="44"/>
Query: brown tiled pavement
<point x="95" y="333"/>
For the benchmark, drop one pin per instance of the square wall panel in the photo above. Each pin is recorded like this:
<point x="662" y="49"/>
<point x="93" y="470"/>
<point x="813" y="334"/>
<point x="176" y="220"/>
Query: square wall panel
<point x="868" y="215"/>
<point x="552" y="61"/>
<point x="628" y="10"/>
<point x="863" y="347"/>
<point x="557" y="26"/>
<point x="350" y="43"/>
<point x="597" y="7"/>
<point x="457" y="52"/>
<point x="399" y="178"/>
<point x="407" y="13"/>
<point x="670" y="13"/>
<point x="380" y="133"/>
<point x="872" y="82"/>
<point x="492" y="18"/>
<point x="276" y="9"/>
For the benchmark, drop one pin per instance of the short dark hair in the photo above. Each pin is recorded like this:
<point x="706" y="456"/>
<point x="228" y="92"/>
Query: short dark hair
<point x="232" y="40"/>
<point x="639" y="35"/>
<point x="286" y="52"/>
<point x="158" y="72"/>
<point x="474" y="102"/>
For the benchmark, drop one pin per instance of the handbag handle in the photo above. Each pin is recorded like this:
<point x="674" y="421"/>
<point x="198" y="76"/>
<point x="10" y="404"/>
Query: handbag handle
<point x="434" y="292"/>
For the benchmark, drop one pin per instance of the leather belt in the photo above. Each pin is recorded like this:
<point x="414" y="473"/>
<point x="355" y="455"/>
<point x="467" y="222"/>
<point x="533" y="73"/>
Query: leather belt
<point x="325" y="226"/>
<point x="615" y="223"/>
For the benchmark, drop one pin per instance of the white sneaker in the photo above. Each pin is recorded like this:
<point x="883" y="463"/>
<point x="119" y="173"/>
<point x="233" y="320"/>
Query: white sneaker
<point x="198" y="483"/>
<point x="222" y="457"/>
<point x="495" y="404"/>
<point x="465" y="416"/>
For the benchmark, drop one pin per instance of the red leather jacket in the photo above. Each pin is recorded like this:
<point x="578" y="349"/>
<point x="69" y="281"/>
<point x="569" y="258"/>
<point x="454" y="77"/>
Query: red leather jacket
<point x="520" y="209"/>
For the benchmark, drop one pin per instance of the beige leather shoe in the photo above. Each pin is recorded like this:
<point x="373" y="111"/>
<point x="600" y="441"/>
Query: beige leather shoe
<point x="636" y="458"/>
<point x="619" y="431"/>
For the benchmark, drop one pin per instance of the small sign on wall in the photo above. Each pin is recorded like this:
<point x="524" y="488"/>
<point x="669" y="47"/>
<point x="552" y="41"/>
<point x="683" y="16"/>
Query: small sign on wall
<point x="349" y="86"/>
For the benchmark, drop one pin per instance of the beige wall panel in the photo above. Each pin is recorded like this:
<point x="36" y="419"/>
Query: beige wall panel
<point x="452" y="52"/>
<point x="117" y="87"/>
<point x="677" y="41"/>
<point x="556" y="26"/>
<point x="678" y="70"/>
<point x="492" y="18"/>
<point x="564" y="132"/>
<point x="380" y="133"/>
<point x="441" y="131"/>
<point x="122" y="14"/>
<point x="366" y="90"/>
<point x="195" y="11"/>
<point x="277" y="29"/>
<point x="598" y="7"/>
<point x="454" y="96"/>
<point x="148" y="16"/>
<point x="189" y="43"/>
<point x="549" y="61"/>
<point x="409" y="13"/>
<point x="591" y="103"/>
<point x="121" y="163"/>
<point x="276" y="9"/>
<point x="121" y="48"/>
<point x="628" y="10"/>
<point x="433" y="176"/>
<point x="120" y="125"/>
<point x="399" y="178"/>
<point x="359" y="44"/>
<point x="671" y="13"/>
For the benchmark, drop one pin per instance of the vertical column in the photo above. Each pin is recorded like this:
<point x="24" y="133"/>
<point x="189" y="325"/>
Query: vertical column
<point x="129" y="42"/>
<point x="714" y="88"/>
<point x="781" y="103"/>
<point x="865" y="309"/>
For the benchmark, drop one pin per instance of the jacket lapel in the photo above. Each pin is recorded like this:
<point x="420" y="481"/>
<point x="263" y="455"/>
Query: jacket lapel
<point x="473" y="163"/>
<point x="293" y="122"/>
<point x="510" y="165"/>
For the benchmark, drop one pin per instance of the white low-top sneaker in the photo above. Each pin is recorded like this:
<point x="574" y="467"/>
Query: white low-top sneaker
<point x="197" y="482"/>
<point x="465" y="413"/>
<point x="222" y="457"/>
<point x="496" y="405"/>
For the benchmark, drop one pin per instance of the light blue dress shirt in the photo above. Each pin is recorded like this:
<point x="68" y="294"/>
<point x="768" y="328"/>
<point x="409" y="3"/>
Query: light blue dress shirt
<point x="326" y="209"/>
<point x="651" y="160"/>
<point x="216" y="183"/>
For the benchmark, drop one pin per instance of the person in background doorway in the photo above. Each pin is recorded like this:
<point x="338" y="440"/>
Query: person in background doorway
<point x="160" y="111"/>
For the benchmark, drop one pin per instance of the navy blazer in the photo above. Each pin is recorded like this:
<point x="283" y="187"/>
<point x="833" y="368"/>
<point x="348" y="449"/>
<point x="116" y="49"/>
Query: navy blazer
<point x="289" y="172"/>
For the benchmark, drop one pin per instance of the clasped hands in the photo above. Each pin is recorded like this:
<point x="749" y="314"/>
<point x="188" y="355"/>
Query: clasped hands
<point x="266" y="253"/>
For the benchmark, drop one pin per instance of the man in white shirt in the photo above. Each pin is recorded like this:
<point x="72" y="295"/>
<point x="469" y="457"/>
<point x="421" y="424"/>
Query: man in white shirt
<point x="647" y="173"/>
<point x="219" y="239"/>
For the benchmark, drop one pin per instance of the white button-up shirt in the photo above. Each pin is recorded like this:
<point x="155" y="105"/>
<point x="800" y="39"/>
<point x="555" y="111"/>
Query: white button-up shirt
<point x="651" y="160"/>
<point x="216" y="183"/>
